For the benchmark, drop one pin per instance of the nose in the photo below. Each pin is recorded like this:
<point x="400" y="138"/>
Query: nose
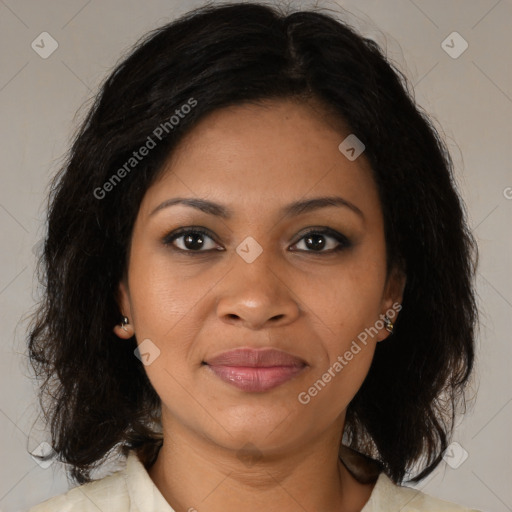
<point x="258" y="294"/>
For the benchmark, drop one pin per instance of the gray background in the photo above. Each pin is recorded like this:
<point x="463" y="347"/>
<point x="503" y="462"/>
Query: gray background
<point x="470" y="97"/>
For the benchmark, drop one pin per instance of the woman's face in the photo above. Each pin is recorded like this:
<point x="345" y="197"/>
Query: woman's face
<point x="257" y="280"/>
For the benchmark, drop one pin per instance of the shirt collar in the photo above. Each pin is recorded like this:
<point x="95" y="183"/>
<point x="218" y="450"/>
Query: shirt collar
<point x="144" y="494"/>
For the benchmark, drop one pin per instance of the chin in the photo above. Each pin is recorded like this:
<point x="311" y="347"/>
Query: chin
<point x="267" y="428"/>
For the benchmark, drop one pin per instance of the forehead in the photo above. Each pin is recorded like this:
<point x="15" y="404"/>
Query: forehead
<point x="264" y="156"/>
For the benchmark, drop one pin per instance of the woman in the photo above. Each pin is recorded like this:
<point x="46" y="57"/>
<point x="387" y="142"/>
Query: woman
<point x="259" y="277"/>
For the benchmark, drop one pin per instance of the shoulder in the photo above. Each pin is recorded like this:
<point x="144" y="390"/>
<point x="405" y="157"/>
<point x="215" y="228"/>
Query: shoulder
<point x="108" y="493"/>
<point x="388" y="497"/>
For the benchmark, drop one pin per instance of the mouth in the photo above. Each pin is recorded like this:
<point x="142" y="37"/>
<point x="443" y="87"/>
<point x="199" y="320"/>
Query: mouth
<point x="254" y="370"/>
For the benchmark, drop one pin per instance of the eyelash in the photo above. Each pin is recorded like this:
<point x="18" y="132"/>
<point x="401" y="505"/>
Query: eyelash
<point x="344" y="242"/>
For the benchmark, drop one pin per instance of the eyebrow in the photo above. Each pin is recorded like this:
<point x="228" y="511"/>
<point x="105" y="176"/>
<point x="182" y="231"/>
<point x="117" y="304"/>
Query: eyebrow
<point x="293" y="209"/>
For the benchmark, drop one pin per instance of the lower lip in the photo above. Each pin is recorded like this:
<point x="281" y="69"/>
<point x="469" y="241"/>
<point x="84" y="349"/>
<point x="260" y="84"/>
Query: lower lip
<point x="256" y="379"/>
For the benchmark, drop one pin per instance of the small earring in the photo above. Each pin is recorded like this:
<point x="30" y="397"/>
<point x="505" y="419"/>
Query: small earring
<point x="389" y="324"/>
<point x="124" y="323"/>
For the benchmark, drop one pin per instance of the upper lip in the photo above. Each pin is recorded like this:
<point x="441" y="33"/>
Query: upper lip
<point x="255" y="358"/>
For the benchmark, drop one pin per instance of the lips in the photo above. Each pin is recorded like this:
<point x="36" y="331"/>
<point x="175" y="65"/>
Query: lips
<point x="255" y="370"/>
<point x="252" y="358"/>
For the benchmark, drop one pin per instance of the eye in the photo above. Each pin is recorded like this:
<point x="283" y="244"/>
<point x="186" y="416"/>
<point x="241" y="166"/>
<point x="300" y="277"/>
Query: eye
<point x="196" y="240"/>
<point x="315" y="240"/>
<point x="190" y="240"/>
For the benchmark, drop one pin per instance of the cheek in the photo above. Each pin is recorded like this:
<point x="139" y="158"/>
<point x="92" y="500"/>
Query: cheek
<point x="165" y="307"/>
<point x="161" y="294"/>
<point x="350" y="300"/>
<point x="349" y="307"/>
<point x="333" y="386"/>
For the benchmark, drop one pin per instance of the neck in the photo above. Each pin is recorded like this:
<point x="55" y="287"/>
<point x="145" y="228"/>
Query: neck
<point x="191" y="473"/>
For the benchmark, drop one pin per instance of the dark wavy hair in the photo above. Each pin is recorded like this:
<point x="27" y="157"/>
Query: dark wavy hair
<point x="95" y="395"/>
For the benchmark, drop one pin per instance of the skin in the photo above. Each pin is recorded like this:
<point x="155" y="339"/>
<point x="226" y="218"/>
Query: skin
<point x="256" y="159"/>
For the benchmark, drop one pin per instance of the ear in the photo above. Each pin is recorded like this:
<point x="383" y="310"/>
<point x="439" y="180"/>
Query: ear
<point x="392" y="298"/>
<point x="123" y="301"/>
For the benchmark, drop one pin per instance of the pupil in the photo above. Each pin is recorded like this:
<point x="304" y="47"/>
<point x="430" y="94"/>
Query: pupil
<point x="195" y="241"/>
<point x="319" y="244"/>
<point x="189" y="241"/>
